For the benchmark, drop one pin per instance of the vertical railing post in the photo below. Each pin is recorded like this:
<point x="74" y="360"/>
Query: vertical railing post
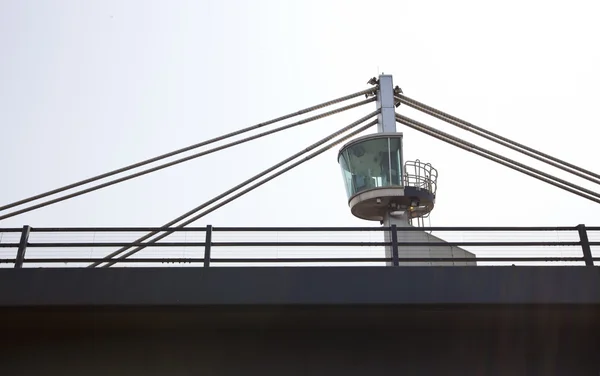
<point x="585" y="245"/>
<point x="22" y="247"/>
<point x="207" y="244"/>
<point x="395" y="261"/>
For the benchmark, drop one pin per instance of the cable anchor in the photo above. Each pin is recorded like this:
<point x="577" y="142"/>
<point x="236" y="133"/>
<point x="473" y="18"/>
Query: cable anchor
<point x="397" y="91"/>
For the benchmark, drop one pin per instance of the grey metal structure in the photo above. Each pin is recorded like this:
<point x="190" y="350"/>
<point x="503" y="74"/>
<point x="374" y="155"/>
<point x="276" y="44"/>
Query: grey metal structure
<point x="386" y="120"/>
<point x="381" y="187"/>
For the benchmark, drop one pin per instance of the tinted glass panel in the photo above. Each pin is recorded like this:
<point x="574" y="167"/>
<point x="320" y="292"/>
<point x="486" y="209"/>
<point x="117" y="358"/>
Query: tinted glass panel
<point x="372" y="164"/>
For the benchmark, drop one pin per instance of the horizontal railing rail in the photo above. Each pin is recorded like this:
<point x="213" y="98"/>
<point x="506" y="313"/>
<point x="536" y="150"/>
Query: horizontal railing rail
<point x="203" y="249"/>
<point x="298" y="229"/>
<point x="295" y="244"/>
<point x="300" y="259"/>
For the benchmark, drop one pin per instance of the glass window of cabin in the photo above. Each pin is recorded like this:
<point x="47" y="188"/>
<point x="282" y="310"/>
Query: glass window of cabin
<point x="346" y="174"/>
<point x="369" y="164"/>
<point x="396" y="161"/>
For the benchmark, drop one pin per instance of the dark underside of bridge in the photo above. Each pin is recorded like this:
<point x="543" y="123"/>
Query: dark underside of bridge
<point x="293" y="321"/>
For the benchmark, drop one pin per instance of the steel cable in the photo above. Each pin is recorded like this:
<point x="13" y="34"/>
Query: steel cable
<point x="491" y="156"/>
<point x="188" y="148"/>
<point x="241" y="185"/>
<point x="185" y="159"/>
<point x="504" y="158"/>
<point x="565" y="166"/>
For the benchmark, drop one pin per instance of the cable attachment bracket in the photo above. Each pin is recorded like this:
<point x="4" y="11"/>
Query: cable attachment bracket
<point x="375" y="82"/>
<point x="397" y="91"/>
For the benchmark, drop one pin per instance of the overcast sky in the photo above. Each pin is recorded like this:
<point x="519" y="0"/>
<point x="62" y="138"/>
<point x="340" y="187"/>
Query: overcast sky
<point x="90" y="86"/>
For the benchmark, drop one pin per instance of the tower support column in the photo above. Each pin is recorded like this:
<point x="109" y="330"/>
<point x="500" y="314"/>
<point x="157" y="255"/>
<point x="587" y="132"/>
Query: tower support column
<point x="386" y="123"/>
<point x="385" y="102"/>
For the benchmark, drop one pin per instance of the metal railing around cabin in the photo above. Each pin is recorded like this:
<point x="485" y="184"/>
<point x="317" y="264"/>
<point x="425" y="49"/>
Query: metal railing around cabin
<point x="420" y="175"/>
<point x="297" y="246"/>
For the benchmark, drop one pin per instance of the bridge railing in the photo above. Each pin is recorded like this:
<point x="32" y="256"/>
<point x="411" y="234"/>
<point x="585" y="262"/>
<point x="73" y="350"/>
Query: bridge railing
<point x="296" y="246"/>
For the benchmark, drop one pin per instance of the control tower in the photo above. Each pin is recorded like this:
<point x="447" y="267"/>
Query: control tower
<point x="382" y="187"/>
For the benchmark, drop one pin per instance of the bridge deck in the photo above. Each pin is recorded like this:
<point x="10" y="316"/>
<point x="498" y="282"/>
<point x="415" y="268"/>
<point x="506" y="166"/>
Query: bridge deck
<point x="345" y="320"/>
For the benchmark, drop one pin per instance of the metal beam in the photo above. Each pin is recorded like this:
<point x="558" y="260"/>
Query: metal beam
<point x="386" y="121"/>
<point x="187" y="287"/>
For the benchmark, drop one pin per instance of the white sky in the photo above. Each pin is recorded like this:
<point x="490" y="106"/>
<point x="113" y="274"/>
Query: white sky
<point x="91" y="86"/>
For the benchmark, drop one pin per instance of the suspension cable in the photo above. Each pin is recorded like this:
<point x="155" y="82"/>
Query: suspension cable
<point x="241" y="185"/>
<point x="500" y="139"/>
<point x="492" y="156"/>
<point x="431" y="129"/>
<point x="252" y="187"/>
<point x="184" y="159"/>
<point x="188" y="148"/>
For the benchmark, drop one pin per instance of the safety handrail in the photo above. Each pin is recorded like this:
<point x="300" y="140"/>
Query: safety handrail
<point x="420" y="175"/>
<point x="206" y="242"/>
